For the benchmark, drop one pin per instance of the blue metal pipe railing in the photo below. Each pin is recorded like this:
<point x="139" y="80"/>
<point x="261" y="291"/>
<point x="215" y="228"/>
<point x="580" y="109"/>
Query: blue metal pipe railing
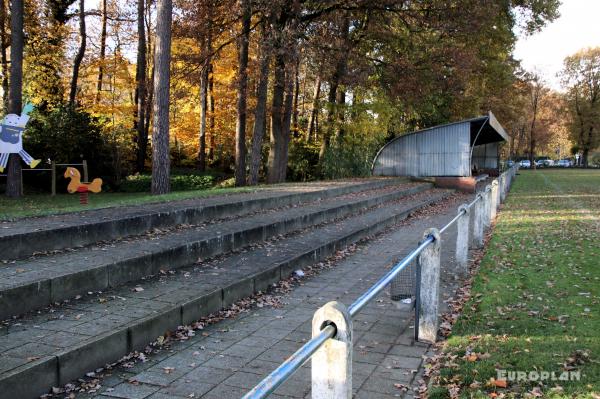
<point x="302" y="355"/>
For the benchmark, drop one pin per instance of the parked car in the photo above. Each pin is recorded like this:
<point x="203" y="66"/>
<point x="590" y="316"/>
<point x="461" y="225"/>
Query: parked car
<point x="510" y="163"/>
<point x="544" y="163"/>
<point x="564" y="163"/>
<point x="525" y="163"/>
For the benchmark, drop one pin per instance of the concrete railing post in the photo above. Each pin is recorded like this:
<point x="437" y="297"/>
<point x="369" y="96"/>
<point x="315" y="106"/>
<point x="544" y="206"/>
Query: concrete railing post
<point x="332" y="363"/>
<point x="494" y="201"/>
<point x="479" y="221"/>
<point x="462" y="240"/>
<point x="487" y="201"/>
<point x="502" y="187"/>
<point x="429" y="290"/>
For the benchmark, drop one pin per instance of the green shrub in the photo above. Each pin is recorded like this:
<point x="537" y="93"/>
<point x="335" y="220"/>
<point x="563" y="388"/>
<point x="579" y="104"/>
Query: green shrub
<point x="142" y="183"/>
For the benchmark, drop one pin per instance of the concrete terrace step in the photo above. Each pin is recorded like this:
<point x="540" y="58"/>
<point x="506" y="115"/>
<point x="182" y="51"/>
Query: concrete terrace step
<point x="35" y="283"/>
<point x="53" y="348"/>
<point x="24" y="237"/>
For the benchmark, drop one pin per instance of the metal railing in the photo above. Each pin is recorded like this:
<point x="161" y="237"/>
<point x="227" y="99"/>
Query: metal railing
<point x="332" y="323"/>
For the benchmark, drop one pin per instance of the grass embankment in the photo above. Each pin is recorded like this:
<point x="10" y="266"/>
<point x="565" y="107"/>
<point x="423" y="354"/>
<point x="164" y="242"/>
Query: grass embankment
<point x="44" y="204"/>
<point x="534" y="304"/>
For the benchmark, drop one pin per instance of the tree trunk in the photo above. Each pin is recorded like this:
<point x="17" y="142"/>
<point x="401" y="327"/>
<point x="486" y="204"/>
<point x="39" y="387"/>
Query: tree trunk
<point x="242" y="82"/>
<point x="338" y="74"/>
<point x="160" y="127"/>
<point x="211" y="142"/>
<point x="287" y="124"/>
<point x="331" y="98"/>
<point x="140" y="90"/>
<point x="277" y="111"/>
<point x="587" y="148"/>
<point x="204" y="77"/>
<point x="295" y="111"/>
<point x="312" y="122"/>
<point x="13" y="180"/>
<point x="80" y="53"/>
<point x="103" y="44"/>
<point x="3" y="59"/>
<point x="260" y="112"/>
<point x="203" y="109"/>
<point x="341" y="105"/>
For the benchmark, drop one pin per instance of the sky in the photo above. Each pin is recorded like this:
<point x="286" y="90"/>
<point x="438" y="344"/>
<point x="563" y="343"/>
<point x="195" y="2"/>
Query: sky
<point x="576" y="28"/>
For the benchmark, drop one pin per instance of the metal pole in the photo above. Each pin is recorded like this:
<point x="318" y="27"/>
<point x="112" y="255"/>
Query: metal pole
<point x="53" y="166"/>
<point x="85" y="171"/>
<point x="332" y="364"/>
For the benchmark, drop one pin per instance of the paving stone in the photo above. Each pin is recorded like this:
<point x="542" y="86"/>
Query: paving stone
<point x="280" y="338"/>
<point x="130" y="391"/>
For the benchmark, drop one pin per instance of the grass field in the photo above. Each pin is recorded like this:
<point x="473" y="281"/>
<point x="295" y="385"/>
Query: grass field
<point x="535" y="301"/>
<point x="44" y="204"/>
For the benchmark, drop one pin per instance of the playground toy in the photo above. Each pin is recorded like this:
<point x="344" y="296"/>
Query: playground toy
<point x="77" y="186"/>
<point x="11" y="138"/>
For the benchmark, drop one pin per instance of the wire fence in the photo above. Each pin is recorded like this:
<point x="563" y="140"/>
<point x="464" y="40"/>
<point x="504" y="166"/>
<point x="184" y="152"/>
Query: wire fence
<point x="416" y="276"/>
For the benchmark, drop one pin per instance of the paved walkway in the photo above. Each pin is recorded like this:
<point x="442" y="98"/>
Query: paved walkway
<point x="228" y="358"/>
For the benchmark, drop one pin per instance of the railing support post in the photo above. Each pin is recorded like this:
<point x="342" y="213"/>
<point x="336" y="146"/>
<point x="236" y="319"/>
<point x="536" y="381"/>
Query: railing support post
<point x="494" y="201"/>
<point x="479" y="221"/>
<point x="429" y="265"/>
<point x="502" y="192"/>
<point x="487" y="201"/>
<point x="332" y="363"/>
<point x="462" y="240"/>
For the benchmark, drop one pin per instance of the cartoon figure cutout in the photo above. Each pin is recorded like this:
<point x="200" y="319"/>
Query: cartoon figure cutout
<point x="11" y="138"/>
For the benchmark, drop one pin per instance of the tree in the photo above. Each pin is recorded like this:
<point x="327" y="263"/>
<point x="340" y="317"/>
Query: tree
<point x="3" y="58"/>
<point x="160" y="132"/>
<point x="103" y="35"/>
<point x="13" y="180"/>
<point x="537" y="90"/>
<point x="140" y="90"/>
<point x="242" y="82"/>
<point x="581" y="76"/>
<point x="260" y="111"/>
<point x="80" y="53"/>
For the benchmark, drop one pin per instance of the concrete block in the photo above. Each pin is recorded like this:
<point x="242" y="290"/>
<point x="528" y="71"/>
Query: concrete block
<point x="30" y="380"/>
<point x="150" y="328"/>
<point x="237" y="290"/>
<point x="265" y="278"/>
<point x="21" y="299"/>
<point x="69" y="285"/>
<point x="200" y="307"/>
<point x="91" y="354"/>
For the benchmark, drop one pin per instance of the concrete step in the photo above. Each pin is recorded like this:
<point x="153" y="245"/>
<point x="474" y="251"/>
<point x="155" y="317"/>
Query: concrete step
<point x="24" y="237"/>
<point x="36" y="283"/>
<point x="53" y="348"/>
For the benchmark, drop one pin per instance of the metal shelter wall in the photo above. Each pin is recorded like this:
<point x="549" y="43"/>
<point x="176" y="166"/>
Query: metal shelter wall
<point x="486" y="156"/>
<point x="439" y="151"/>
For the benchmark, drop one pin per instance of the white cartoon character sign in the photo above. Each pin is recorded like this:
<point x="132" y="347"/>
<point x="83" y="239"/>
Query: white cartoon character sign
<point x="11" y="138"/>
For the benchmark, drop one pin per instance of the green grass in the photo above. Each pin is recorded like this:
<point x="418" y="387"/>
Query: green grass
<point x="44" y="204"/>
<point x="535" y="300"/>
